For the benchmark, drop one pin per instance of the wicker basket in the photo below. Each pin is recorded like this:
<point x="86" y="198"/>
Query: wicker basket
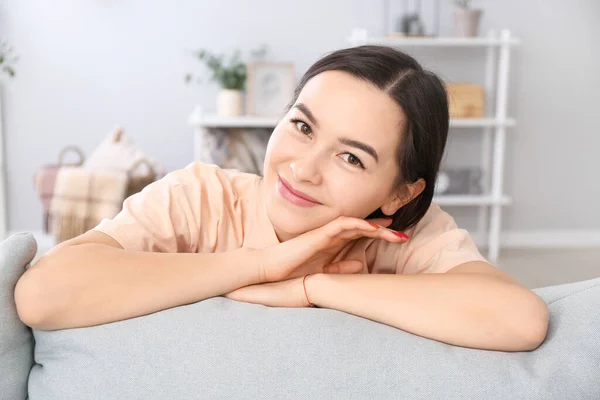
<point x="68" y="149"/>
<point x="135" y="181"/>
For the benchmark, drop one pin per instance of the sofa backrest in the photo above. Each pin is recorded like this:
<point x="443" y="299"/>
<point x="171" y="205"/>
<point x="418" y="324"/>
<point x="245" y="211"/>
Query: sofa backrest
<point x="16" y="341"/>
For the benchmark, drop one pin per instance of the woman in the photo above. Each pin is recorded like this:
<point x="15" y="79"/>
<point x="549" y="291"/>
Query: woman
<point x="343" y="218"/>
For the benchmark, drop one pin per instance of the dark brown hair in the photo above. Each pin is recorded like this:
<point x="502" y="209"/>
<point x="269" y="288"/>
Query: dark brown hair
<point x="422" y="97"/>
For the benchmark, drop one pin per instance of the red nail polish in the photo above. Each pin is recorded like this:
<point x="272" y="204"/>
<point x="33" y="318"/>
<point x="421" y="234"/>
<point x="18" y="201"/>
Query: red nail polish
<point x="373" y="224"/>
<point x="400" y="235"/>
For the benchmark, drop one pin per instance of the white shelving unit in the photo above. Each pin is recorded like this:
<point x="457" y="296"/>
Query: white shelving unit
<point x="3" y="192"/>
<point x="493" y="126"/>
<point x="493" y="148"/>
<point x="361" y="37"/>
<point x="213" y="121"/>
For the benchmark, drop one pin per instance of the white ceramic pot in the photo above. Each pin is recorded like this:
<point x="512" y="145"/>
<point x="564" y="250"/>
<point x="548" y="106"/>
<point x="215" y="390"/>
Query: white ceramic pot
<point x="466" y="21"/>
<point x="230" y="103"/>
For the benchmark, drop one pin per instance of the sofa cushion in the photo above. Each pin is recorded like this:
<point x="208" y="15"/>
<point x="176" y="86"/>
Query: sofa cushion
<point x="221" y="348"/>
<point x="16" y="343"/>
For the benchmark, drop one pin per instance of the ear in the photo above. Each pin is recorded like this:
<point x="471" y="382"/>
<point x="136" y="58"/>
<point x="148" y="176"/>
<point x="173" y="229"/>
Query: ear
<point x="397" y="201"/>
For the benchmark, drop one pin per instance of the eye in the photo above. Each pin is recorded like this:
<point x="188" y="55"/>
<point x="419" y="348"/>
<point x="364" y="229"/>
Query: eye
<point x="302" y="127"/>
<point x="352" y="160"/>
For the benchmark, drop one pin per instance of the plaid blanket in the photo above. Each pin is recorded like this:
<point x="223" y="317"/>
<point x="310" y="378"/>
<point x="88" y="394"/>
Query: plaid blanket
<point x="77" y="199"/>
<point x="44" y="180"/>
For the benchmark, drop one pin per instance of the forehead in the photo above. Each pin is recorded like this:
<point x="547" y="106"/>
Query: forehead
<point x="347" y="106"/>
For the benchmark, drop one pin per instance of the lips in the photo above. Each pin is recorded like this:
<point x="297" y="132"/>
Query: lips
<point x="295" y="196"/>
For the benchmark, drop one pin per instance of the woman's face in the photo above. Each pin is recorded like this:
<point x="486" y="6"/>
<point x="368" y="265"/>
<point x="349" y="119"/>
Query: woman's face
<point x="332" y="154"/>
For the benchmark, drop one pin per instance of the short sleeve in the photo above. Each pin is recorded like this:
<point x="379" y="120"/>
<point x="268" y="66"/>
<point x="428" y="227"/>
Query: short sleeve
<point x="163" y="217"/>
<point x="436" y="245"/>
<point x="446" y="251"/>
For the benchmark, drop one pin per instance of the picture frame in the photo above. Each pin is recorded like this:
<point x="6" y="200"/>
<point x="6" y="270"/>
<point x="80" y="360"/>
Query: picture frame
<point x="269" y="88"/>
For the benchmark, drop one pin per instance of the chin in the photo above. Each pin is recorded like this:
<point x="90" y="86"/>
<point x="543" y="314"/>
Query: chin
<point x="294" y="221"/>
<point x="289" y="222"/>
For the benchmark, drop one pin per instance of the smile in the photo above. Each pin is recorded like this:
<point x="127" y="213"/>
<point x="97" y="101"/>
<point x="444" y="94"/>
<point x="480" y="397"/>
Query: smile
<point x="294" y="196"/>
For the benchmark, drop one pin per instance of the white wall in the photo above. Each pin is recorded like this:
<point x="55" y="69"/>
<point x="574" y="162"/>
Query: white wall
<point x="87" y="66"/>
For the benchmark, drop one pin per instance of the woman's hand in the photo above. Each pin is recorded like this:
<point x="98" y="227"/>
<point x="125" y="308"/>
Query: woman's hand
<point x="288" y="293"/>
<point x="314" y="251"/>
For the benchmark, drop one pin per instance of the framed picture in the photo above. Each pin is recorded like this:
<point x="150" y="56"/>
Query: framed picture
<point x="269" y="88"/>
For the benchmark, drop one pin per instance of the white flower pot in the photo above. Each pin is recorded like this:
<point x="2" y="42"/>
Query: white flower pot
<point x="466" y="21"/>
<point x="230" y="103"/>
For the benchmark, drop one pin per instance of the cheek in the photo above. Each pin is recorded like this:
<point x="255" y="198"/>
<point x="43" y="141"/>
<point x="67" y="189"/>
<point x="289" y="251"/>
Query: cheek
<point x="351" y="201"/>
<point x="278" y="147"/>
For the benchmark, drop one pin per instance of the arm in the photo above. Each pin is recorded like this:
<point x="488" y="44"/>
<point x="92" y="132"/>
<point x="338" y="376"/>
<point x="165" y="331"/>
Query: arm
<point x="91" y="280"/>
<point x="472" y="305"/>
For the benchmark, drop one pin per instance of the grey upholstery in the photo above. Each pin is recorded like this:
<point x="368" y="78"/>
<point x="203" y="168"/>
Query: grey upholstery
<point x="221" y="348"/>
<point x="16" y="342"/>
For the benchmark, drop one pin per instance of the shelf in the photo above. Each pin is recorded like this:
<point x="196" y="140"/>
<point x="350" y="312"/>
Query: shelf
<point x="433" y="41"/>
<point x="471" y="200"/>
<point x="480" y="122"/>
<point x="213" y="121"/>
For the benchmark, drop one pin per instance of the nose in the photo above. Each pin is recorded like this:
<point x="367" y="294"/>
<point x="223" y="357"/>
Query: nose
<point x="306" y="169"/>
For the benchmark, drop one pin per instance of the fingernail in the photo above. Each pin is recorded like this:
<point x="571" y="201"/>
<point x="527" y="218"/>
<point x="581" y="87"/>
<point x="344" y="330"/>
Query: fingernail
<point x="373" y="224"/>
<point x="400" y="235"/>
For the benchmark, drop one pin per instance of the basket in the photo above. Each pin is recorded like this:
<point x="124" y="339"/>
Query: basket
<point x="45" y="178"/>
<point x="136" y="182"/>
<point x="68" y="149"/>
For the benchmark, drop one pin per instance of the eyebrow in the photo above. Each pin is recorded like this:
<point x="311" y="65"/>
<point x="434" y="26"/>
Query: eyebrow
<point x="302" y="107"/>
<point x="348" y="142"/>
<point x="362" y="146"/>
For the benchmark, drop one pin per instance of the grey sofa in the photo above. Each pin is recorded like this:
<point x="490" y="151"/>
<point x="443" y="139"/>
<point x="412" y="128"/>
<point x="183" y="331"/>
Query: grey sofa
<point x="220" y="348"/>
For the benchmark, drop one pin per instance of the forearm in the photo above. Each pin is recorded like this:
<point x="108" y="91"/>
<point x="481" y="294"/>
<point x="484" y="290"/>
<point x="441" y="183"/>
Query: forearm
<point x="92" y="284"/>
<point x="468" y="310"/>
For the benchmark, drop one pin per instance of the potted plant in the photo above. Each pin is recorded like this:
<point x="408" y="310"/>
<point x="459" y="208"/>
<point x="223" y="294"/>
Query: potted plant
<point x="231" y="77"/>
<point x="466" y="19"/>
<point x="7" y="59"/>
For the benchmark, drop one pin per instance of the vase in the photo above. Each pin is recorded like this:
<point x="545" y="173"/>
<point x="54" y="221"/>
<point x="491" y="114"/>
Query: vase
<point x="230" y="103"/>
<point x="466" y="21"/>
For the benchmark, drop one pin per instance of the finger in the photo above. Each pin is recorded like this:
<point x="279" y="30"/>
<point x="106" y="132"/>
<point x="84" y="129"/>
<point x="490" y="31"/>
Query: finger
<point x="352" y="228"/>
<point x="344" y="267"/>
<point x="376" y="223"/>
<point x="385" y="222"/>
<point x="349" y="228"/>
<point x="343" y="224"/>
<point x="380" y="233"/>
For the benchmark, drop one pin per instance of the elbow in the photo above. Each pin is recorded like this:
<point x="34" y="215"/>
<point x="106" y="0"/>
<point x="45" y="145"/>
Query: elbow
<point x="36" y="295"/>
<point x="31" y="308"/>
<point x="537" y="324"/>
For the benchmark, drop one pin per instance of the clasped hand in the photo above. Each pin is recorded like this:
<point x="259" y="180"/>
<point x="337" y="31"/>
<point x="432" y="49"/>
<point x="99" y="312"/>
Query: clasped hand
<point x="285" y="264"/>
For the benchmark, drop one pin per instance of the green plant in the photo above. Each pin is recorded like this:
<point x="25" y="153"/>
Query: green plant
<point x="462" y="3"/>
<point x="7" y="59"/>
<point x="231" y="75"/>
